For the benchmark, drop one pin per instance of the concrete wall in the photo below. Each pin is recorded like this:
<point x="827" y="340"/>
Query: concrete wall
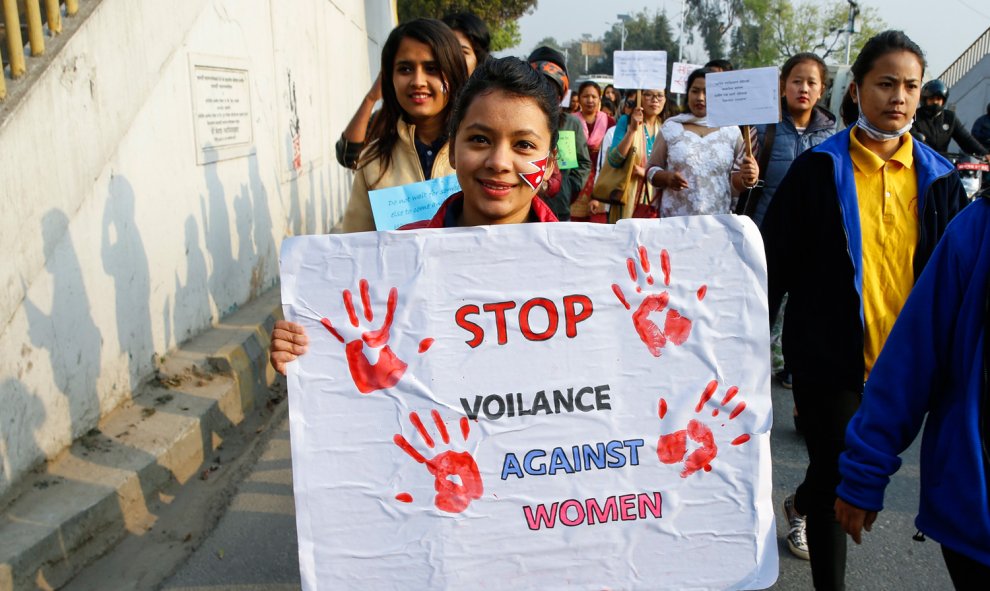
<point x="969" y="96"/>
<point x="119" y="245"/>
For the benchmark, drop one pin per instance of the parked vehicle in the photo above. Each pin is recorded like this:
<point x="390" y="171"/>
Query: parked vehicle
<point x="974" y="172"/>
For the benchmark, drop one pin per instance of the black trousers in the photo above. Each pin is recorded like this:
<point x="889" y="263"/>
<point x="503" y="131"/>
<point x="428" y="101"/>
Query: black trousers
<point x="965" y="572"/>
<point x="825" y="412"/>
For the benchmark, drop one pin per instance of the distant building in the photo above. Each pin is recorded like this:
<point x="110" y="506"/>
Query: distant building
<point x="968" y="79"/>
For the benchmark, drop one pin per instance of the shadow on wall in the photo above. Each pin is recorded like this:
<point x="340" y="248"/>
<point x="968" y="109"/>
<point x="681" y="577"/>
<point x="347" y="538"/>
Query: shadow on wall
<point x="23" y="415"/>
<point x="68" y="333"/>
<point x="125" y="260"/>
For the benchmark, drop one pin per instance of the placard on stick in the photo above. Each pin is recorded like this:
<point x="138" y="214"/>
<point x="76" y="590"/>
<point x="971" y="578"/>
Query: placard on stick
<point x="679" y="75"/>
<point x="743" y="97"/>
<point x="639" y="69"/>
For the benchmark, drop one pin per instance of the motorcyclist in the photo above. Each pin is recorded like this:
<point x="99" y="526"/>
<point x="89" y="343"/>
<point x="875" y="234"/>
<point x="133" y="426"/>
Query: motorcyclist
<point x="937" y="126"/>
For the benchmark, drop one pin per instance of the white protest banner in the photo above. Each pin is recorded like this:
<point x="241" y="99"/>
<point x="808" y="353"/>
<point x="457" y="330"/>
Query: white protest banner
<point x="639" y="69"/>
<point x="533" y="406"/>
<point x="679" y="75"/>
<point x="743" y="97"/>
<point x="395" y="207"/>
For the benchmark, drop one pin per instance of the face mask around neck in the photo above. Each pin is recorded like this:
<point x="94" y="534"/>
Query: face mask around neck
<point x="877" y="134"/>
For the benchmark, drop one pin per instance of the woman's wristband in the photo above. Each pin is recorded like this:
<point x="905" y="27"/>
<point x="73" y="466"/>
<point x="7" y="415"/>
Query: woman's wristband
<point x="652" y="172"/>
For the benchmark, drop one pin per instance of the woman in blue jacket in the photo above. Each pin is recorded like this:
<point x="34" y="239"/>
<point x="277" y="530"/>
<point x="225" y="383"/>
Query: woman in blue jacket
<point x="850" y="228"/>
<point x="933" y="370"/>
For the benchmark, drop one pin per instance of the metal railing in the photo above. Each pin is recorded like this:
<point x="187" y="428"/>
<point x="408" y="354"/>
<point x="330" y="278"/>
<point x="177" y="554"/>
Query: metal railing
<point x="32" y="17"/>
<point x="969" y="58"/>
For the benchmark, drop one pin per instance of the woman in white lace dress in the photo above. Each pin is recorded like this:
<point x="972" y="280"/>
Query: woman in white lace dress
<point x="700" y="169"/>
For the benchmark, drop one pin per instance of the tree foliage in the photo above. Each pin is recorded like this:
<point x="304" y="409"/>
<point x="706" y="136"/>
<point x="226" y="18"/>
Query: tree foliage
<point x="766" y="32"/>
<point x="772" y="30"/>
<point x="500" y="15"/>
<point x="643" y="32"/>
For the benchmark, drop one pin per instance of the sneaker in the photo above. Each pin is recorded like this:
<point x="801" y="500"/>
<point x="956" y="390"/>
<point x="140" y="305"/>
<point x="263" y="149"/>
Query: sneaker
<point x="797" y="540"/>
<point x="784" y="377"/>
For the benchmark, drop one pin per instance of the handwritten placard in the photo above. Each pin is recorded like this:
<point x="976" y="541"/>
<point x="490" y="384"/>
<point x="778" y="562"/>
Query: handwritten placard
<point x="743" y="97"/>
<point x="679" y="75"/>
<point x="567" y="150"/>
<point x="586" y="405"/>
<point x="640" y="69"/>
<point x="395" y="207"/>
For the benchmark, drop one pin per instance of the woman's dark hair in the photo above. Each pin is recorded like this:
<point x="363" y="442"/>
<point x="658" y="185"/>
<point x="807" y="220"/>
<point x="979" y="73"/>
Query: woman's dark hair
<point x="474" y="29"/>
<point x="802" y="57"/>
<point x="446" y="51"/>
<point x="724" y="65"/>
<point x="589" y="84"/>
<point x="514" y="77"/>
<point x="881" y="44"/>
<point x="878" y="46"/>
<point x="848" y="110"/>
<point x="607" y="104"/>
<point x="699" y="73"/>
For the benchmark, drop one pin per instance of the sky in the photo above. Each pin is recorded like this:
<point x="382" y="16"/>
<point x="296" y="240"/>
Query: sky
<point x="943" y="28"/>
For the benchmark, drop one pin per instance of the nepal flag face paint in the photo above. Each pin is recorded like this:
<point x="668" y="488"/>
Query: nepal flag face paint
<point x="534" y="178"/>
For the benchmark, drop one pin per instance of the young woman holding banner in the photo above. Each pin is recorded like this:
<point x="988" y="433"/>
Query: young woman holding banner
<point x="701" y="169"/>
<point x="422" y="68"/>
<point x="503" y="132"/>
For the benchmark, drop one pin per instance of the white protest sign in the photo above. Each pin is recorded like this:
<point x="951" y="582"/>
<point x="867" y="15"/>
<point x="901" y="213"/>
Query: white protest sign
<point x="584" y="406"/>
<point x="679" y="75"/>
<point x="743" y="97"/>
<point x="395" y="207"/>
<point x="639" y="69"/>
<point x="566" y="101"/>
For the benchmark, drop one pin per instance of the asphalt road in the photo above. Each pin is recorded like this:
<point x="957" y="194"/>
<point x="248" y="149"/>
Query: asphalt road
<point x="254" y="545"/>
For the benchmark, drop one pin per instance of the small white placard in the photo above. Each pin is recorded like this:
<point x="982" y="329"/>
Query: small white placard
<point x="743" y="97"/>
<point x="221" y="108"/>
<point x="640" y="69"/>
<point x="679" y="75"/>
<point x="566" y="102"/>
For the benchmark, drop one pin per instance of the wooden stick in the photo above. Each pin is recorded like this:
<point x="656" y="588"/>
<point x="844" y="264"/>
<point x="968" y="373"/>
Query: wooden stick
<point x="639" y="98"/>
<point x="746" y="138"/>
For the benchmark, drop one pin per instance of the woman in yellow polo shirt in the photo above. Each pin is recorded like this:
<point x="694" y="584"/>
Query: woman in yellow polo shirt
<point x="849" y="229"/>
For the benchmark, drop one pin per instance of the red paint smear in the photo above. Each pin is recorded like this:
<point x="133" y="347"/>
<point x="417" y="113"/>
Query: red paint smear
<point x="677" y="327"/>
<point x="662" y="408"/>
<point x="454" y="497"/>
<point x="366" y="301"/>
<point x="715" y="413"/>
<point x="730" y="394"/>
<point x="649" y="279"/>
<point x="425" y="344"/>
<point x="672" y="447"/>
<point x="708" y="468"/>
<point x="702" y="291"/>
<point x="644" y="259"/>
<point x="415" y="420"/>
<point x="738" y="409"/>
<point x="618" y="293"/>
<point x="465" y="427"/>
<point x="404" y="497"/>
<point x="367" y="377"/>
<point x="380" y="337"/>
<point x="440" y="426"/>
<point x="639" y="289"/>
<point x="665" y="266"/>
<point x="631" y="267"/>
<point x="706" y="395"/>
<point x="741" y="439"/>
<point x="349" y="306"/>
<point x="326" y="324"/>
<point x="402" y="443"/>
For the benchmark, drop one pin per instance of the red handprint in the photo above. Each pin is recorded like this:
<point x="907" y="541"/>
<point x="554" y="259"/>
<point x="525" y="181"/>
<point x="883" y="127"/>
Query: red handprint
<point x="448" y="468"/>
<point x="388" y="370"/>
<point x="676" y="328"/>
<point x="672" y="447"/>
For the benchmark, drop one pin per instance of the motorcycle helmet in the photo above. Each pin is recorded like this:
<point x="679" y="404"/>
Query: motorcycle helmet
<point x="935" y="88"/>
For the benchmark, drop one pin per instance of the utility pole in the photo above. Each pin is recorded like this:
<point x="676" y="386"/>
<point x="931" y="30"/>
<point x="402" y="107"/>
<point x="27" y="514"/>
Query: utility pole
<point x="622" y="21"/>
<point x="853" y="12"/>
<point x="680" y="37"/>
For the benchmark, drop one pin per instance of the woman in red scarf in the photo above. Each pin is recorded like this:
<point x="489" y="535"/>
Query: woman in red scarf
<point x="596" y="123"/>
